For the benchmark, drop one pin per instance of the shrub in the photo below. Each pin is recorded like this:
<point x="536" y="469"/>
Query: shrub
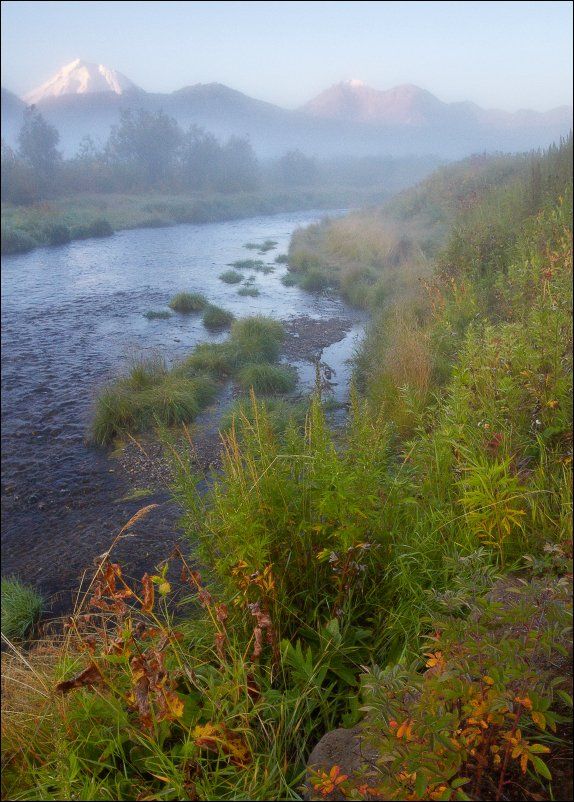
<point x="282" y="259"/>
<point x="253" y="292"/>
<point x="267" y="379"/>
<point x="187" y="302"/>
<point x="58" y="234"/>
<point x="15" y="240"/>
<point x="257" y="339"/>
<point x="153" y="314"/>
<point x="21" y="608"/>
<point x="231" y="277"/>
<point x="215" y="318"/>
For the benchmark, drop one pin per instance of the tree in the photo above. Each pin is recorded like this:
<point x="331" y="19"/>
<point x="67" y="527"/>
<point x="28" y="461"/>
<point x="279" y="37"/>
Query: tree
<point x="297" y="170"/>
<point x="201" y="159"/>
<point x="37" y="144"/>
<point x="147" y="141"/>
<point x="240" y="167"/>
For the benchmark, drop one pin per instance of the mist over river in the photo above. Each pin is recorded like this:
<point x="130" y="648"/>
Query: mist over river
<point x="71" y="318"/>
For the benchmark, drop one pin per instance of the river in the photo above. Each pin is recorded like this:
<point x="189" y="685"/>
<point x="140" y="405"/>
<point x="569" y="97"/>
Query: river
<point x="71" y="318"/>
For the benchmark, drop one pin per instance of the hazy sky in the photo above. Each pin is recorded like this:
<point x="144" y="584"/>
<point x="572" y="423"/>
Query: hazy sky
<point x="499" y="54"/>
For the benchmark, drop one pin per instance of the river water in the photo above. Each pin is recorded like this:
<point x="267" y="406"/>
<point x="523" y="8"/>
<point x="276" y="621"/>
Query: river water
<point x="71" y="318"/>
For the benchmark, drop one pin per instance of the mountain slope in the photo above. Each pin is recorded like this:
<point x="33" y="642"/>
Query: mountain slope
<point x="80" y="78"/>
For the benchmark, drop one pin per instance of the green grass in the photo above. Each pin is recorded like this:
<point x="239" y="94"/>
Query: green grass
<point x="282" y="259"/>
<point x="216" y="359"/>
<point x="148" y="396"/>
<point x="252" y="292"/>
<point x="154" y="314"/>
<point x="279" y="414"/>
<point x="216" y="318"/>
<point x="263" y="247"/>
<point x="257" y="339"/>
<point x="267" y="379"/>
<point x="248" y="264"/>
<point x="231" y="277"/>
<point x="188" y="302"/>
<point x="21" y="608"/>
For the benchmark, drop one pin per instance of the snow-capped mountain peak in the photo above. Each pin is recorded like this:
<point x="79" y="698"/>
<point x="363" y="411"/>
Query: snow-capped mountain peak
<point x="79" y="78"/>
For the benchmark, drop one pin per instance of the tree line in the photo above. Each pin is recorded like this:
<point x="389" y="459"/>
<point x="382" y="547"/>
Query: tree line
<point x="144" y="151"/>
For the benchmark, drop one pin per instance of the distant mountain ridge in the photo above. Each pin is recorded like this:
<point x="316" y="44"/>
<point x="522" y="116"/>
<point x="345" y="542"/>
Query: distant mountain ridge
<point x="349" y="118"/>
<point x="410" y="105"/>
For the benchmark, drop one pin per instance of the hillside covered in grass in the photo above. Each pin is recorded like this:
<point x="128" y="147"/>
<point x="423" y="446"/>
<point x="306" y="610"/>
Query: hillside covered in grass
<point x="408" y="576"/>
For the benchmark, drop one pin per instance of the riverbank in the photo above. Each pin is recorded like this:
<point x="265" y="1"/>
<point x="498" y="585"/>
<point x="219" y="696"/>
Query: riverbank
<point x="61" y="220"/>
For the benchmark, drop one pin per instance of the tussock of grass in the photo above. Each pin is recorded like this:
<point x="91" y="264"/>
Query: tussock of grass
<point x="188" y="302"/>
<point x="257" y="339"/>
<point x="252" y="292"/>
<point x="282" y="259"/>
<point x="216" y="359"/>
<point x="149" y="396"/>
<point x="231" y="277"/>
<point x="267" y="379"/>
<point x="216" y="318"/>
<point x="154" y="314"/>
<point x="248" y="264"/>
<point x="21" y="608"/>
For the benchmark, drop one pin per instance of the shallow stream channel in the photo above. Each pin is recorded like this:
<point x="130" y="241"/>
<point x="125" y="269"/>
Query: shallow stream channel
<point x="72" y="318"/>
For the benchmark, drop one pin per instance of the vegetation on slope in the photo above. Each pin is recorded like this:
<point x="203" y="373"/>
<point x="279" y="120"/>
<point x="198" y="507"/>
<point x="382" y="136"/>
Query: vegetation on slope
<point x="324" y="552"/>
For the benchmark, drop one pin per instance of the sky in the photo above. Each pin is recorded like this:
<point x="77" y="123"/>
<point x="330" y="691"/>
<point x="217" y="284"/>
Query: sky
<point x="506" y="55"/>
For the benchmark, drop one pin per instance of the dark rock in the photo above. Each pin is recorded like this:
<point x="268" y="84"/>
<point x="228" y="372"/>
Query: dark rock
<point x="344" y="748"/>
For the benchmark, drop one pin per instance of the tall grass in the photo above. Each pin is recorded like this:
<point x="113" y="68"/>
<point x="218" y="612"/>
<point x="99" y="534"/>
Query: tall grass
<point x="21" y="608"/>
